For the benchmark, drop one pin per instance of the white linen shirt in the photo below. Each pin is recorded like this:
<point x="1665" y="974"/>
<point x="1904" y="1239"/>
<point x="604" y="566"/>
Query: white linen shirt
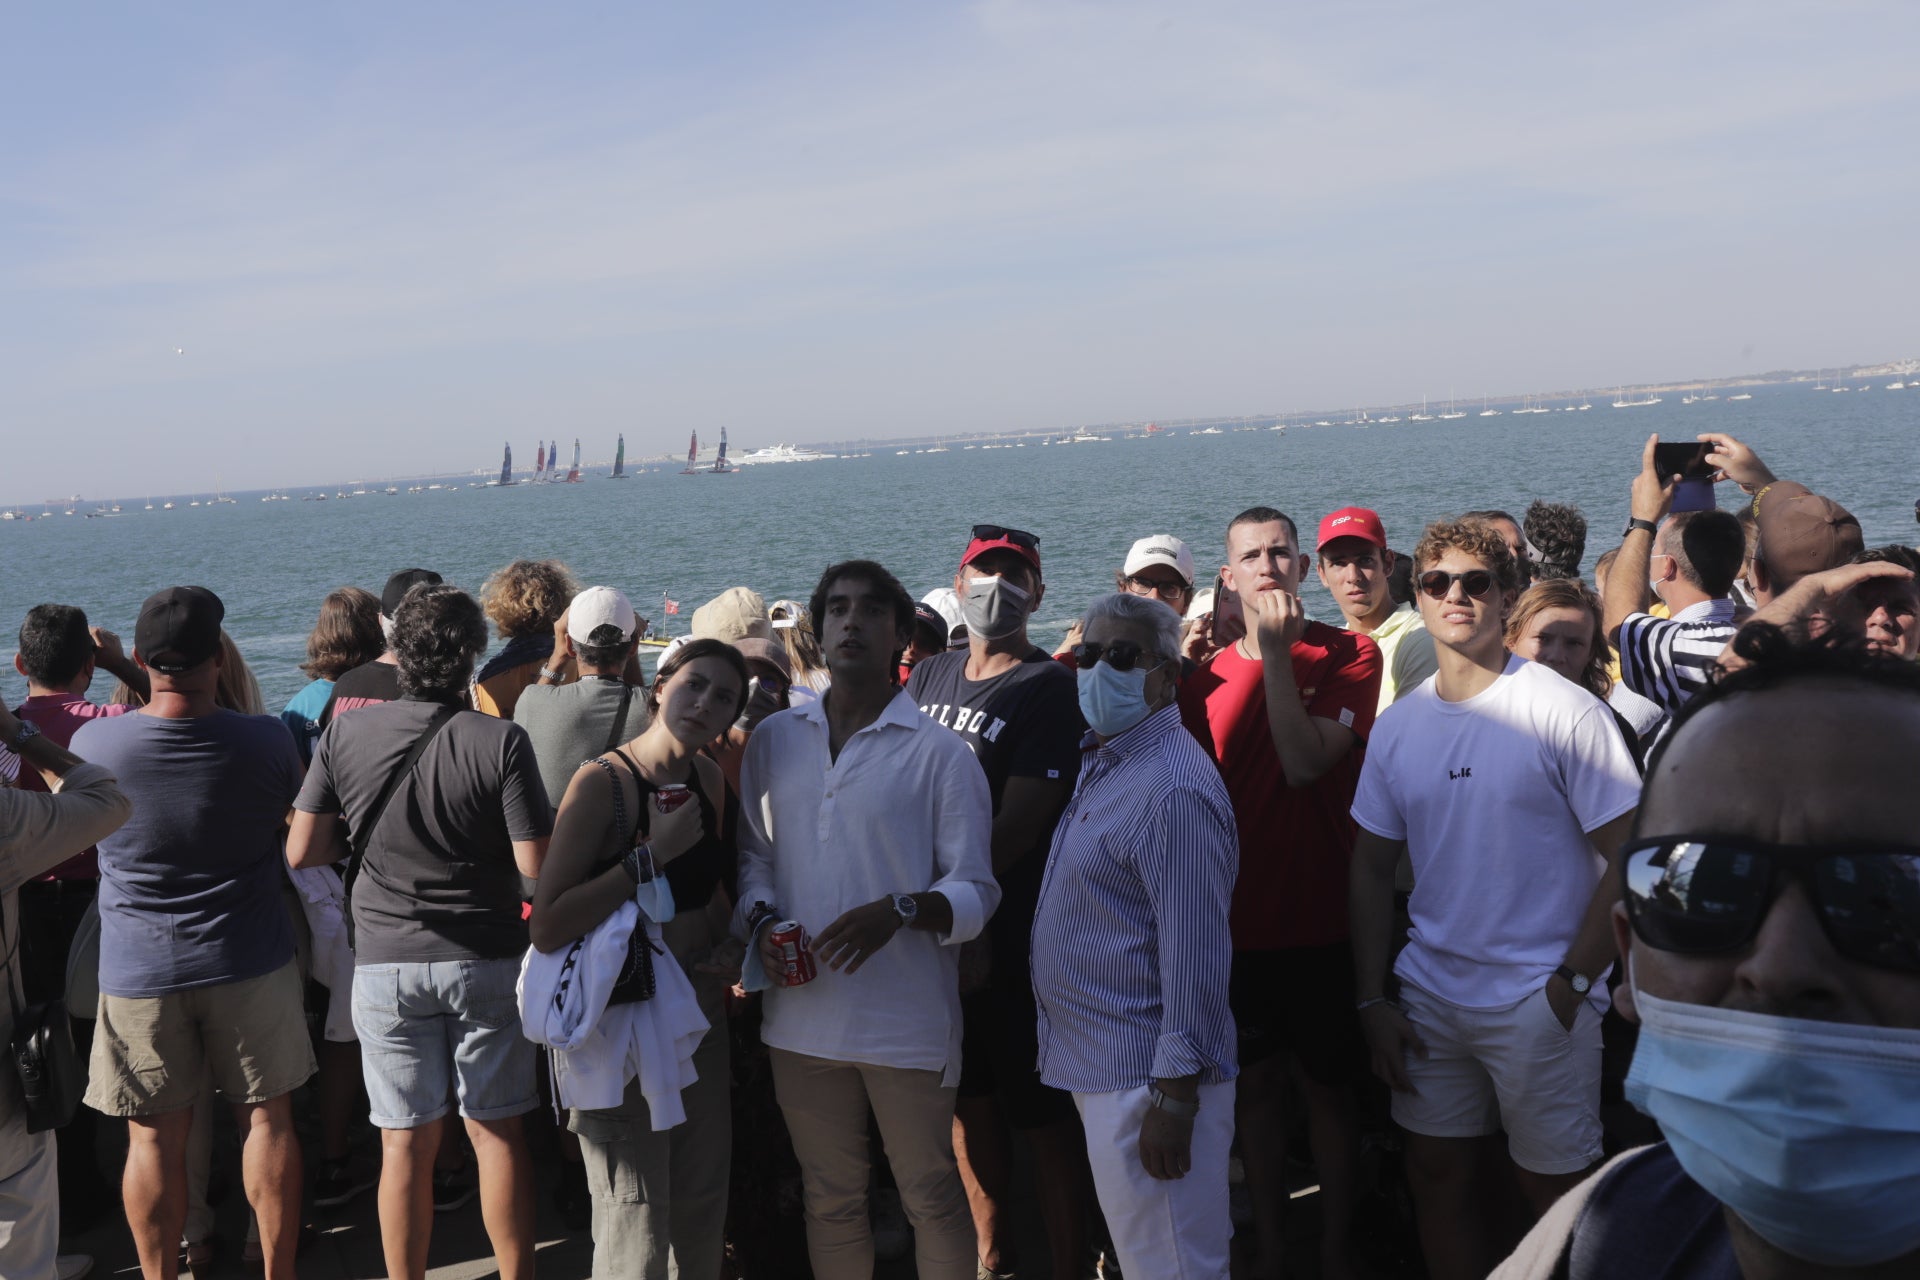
<point x="905" y="809"/>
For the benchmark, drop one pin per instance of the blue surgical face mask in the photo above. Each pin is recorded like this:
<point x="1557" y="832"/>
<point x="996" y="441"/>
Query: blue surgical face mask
<point x="653" y="895"/>
<point x="1113" y="701"/>
<point x="1808" y="1130"/>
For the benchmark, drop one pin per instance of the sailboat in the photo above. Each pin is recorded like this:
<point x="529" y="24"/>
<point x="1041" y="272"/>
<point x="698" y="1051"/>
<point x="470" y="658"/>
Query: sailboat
<point x="620" y="460"/>
<point x="1621" y="401"/>
<point x="1423" y="415"/>
<point x="506" y="468"/>
<point x="1452" y="412"/>
<point x="1486" y="412"/>
<point x="693" y="457"/>
<point x="721" y="467"/>
<point x="573" y="472"/>
<point x="540" y="463"/>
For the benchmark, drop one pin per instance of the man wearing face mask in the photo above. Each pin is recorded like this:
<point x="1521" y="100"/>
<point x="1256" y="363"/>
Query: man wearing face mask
<point x="1689" y="563"/>
<point x="1019" y="713"/>
<point x="1768" y="923"/>
<point x="1133" y="1015"/>
<point x="1285" y="711"/>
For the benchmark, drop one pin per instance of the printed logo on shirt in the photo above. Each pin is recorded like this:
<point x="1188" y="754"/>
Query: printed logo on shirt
<point x="966" y="720"/>
<point x="1456" y="775"/>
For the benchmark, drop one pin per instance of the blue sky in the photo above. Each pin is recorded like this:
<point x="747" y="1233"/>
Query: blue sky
<point x="410" y="232"/>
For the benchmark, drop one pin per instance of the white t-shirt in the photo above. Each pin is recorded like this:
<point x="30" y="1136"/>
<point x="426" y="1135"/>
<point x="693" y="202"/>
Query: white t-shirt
<point x="1494" y="797"/>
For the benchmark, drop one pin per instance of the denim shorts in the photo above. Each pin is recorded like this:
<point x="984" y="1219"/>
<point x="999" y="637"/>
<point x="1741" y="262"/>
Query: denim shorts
<point x="428" y="1027"/>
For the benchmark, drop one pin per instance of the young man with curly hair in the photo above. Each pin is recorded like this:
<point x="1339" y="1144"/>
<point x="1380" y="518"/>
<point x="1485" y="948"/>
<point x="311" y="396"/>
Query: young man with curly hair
<point x="523" y="601"/>
<point x="1511" y="790"/>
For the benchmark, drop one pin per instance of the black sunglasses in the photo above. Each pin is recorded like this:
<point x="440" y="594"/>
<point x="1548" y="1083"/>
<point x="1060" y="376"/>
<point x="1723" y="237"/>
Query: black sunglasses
<point x="1437" y="582"/>
<point x="1000" y="533"/>
<point x="1700" y="895"/>
<point x="1121" y="655"/>
<point x="1139" y="586"/>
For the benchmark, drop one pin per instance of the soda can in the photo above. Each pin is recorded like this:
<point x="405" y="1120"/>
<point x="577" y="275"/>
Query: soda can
<point x="795" y="954"/>
<point x="669" y="796"/>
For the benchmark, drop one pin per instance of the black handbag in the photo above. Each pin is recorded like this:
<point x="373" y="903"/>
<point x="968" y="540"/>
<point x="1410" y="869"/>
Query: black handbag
<point x="636" y="981"/>
<point x="44" y="1059"/>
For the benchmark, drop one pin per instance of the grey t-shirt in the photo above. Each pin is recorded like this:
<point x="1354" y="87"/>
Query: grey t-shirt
<point x="439" y="881"/>
<point x="570" y="725"/>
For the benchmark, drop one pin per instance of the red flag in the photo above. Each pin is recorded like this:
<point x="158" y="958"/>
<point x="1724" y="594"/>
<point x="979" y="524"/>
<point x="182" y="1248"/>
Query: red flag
<point x="671" y="606"/>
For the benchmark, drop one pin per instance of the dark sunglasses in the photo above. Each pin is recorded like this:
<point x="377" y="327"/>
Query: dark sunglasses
<point x="1121" y="655"/>
<point x="1701" y="895"/>
<point x="999" y="533"/>
<point x="1165" y="590"/>
<point x="1437" y="582"/>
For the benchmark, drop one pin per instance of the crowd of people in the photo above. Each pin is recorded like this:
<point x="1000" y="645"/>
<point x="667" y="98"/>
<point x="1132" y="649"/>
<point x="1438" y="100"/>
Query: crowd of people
<point x="877" y="892"/>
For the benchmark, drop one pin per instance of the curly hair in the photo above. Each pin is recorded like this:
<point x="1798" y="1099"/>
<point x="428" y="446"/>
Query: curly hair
<point x="693" y="651"/>
<point x="346" y="635"/>
<point x="1566" y="593"/>
<point x="437" y="634"/>
<point x="1559" y="533"/>
<point x="1471" y="535"/>
<point x="528" y="597"/>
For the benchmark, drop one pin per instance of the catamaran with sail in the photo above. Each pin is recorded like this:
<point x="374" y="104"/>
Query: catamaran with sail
<point x="620" y="460"/>
<point x="506" y="469"/>
<point x="722" y="467"/>
<point x="540" y="463"/>
<point x="573" y="472"/>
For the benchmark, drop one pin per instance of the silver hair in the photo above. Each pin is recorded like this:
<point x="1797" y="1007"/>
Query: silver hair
<point x="1147" y="611"/>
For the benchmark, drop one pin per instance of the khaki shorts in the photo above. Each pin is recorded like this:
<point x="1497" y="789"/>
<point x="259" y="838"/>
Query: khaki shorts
<point x="153" y="1054"/>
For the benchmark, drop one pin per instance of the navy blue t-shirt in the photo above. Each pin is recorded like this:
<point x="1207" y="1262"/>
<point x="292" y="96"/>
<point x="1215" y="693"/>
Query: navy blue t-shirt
<point x="190" y="886"/>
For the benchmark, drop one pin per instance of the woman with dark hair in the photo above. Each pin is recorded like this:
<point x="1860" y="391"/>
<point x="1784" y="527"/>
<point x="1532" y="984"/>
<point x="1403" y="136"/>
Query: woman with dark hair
<point x="346" y="635"/>
<point x="1556" y="623"/>
<point x="654" y="805"/>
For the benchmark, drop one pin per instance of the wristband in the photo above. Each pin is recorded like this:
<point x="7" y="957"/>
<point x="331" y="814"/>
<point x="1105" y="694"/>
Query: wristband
<point x="1757" y="497"/>
<point x="1368" y="1004"/>
<point x="1635" y="522"/>
<point x="637" y="863"/>
<point x="1172" y="1106"/>
<point x="761" y="913"/>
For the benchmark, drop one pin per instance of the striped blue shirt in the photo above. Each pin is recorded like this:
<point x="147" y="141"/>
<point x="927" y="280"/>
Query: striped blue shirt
<point x="1130" y="945"/>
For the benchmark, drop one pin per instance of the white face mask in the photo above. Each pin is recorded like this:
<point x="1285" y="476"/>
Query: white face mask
<point x="993" y="607"/>
<point x="1808" y="1130"/>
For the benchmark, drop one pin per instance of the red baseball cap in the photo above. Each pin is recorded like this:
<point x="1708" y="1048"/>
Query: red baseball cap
<point x="1352" y="522"/>
<point x="993" y="537"/>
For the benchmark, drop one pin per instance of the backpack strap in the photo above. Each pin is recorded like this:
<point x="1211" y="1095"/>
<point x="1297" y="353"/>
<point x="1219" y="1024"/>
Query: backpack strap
<point x="619" y="718"/>
<point x="362" y="837"/>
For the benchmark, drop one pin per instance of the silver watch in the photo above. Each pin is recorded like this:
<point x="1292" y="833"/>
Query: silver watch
<point x="906" y="908"/>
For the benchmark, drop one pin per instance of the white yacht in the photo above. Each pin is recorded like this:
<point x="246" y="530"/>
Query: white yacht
<point x="781" y="453"/>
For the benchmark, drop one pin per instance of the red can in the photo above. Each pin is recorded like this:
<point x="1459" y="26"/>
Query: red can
<point x="669" y="796"/>
<point x="791" y="939"/>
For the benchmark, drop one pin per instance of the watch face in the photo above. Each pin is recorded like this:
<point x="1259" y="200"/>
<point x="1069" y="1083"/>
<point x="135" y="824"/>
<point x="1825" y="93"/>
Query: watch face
<point x="1581" y="984"/>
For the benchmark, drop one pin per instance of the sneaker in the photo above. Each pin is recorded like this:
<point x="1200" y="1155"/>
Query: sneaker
<point x="452" y="1190"/>
<point x="892" y="1238"/>
<point x="338" y="1183"/>
<point x="72" y="1266"/>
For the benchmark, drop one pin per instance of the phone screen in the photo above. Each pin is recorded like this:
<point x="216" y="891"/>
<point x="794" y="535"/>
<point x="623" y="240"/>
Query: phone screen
<point x="1689" y="462"/>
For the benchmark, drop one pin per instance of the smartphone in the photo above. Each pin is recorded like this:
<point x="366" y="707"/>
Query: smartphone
<point x="1689" y="462"/>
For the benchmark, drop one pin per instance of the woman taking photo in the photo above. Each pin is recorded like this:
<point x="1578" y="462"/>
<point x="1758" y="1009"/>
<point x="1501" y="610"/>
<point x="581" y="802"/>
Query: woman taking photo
<point x="593" y="865"/>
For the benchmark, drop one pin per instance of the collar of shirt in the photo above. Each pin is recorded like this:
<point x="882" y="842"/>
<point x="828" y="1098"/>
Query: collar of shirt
<point x="1144" y="736"/>
<point x="1404" y="618"/>
<point x="49" y="701"/>
<point x="1720" y="610"/>
<point x="900" y="711"/>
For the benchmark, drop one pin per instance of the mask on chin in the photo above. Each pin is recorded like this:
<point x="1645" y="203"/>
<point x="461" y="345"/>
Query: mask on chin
<point x="993" y="607"/>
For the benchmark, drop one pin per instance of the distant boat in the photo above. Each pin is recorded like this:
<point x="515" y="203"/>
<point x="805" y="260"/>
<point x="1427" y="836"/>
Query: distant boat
<point x="788" y="453"/>
<point x="1621" y="401"/>
<point x="620" y="460"/>
<point x="540" y="463"/>
<point x="1742" y="396"/>
<point x="1896" y="386"/>
<point x="720" y="467"/>
<point x="1423" y="415"/>
<point x="1486" y="412"/>
<point x="1207" y="431"/>
<point x="573" y="472"/>
<point x="1084" y="436"/>
<point x="506" y="468"/>
<point x="693" y="456"/>
<point x="1452" y="412"/>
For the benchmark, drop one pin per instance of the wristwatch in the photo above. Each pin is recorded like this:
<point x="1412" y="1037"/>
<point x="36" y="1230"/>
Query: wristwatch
<point x="1580" y="982"/>
<point x="1635" y="522"/>
<point x="1172" y="1106"/>
<point x="28" y="729"/>
<point x="906" y="908"/>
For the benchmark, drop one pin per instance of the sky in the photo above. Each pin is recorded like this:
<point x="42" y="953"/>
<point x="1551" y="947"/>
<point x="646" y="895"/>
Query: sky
<point x="300" y="243"/>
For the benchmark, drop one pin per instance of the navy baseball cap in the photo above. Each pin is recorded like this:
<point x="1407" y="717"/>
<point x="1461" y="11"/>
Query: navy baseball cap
<point x="179" y="628"/>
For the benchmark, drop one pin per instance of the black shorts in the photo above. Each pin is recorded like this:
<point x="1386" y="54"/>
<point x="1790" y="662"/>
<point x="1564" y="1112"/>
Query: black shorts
<point x="1000" y="1053"/>
<point x="1299" y="1000"/>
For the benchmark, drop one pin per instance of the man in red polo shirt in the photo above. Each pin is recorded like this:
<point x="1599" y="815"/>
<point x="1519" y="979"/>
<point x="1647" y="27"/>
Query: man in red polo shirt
<point x="1288" y="737"/>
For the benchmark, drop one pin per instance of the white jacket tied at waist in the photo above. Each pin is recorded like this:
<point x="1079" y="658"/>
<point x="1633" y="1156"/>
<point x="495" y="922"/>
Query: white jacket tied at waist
<point x="596" y="1047"/>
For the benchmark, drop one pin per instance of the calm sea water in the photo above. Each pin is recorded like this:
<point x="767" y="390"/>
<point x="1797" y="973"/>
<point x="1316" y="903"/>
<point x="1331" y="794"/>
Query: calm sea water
<point x="775" y="527"/>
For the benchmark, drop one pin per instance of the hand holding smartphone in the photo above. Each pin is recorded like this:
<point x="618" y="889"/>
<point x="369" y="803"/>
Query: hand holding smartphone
<point x="1687" y="460"/>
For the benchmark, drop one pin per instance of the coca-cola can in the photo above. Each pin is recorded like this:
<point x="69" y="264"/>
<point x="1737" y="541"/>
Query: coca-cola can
<point x="795" y="955"/>
<point x="669" y="796"/>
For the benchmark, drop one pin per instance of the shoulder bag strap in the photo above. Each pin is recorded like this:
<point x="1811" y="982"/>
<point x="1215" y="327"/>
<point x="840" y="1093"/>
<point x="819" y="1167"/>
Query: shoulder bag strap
<point x="619" y="720"/>
<point x="363" y="832"/>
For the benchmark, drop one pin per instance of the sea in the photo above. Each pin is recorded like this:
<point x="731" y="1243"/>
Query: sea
<point x="661" y="536"/>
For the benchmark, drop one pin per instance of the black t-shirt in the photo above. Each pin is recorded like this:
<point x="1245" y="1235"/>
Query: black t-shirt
<point x="1647" y="1219"/>
<point x="1023" y="723"/>
<point x="363" y="686"/>
<point x="439" y="882"/>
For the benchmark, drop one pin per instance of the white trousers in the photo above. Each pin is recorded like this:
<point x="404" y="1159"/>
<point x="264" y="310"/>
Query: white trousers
<point x="1176" y="1229"/>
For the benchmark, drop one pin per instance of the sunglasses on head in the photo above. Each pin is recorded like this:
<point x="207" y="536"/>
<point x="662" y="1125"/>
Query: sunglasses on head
<point x="1121" y="655"/>
<point x="1702" y="895"/>
<point x="1139" y="586"/>
<point x="1000" y="533"/>
<point x="1437" y="583"/>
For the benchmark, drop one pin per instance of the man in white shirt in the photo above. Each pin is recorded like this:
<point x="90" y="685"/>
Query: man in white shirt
<point x="869" y="824"/>
<point x="1512" y="790"/>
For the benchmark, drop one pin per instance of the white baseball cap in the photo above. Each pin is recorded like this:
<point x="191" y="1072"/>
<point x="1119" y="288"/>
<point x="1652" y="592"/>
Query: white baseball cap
<point x="944" y="602"/>
<point x="599" y="607"/>
<point x="1161" y="549"/>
